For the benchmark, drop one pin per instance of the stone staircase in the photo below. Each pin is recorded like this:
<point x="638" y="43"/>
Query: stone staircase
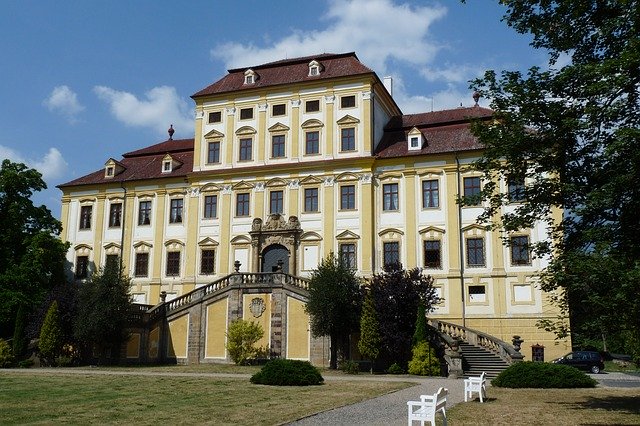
<point x="475" y="360"/>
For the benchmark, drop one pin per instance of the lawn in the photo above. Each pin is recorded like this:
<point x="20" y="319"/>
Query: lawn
<point x="84" y="399"/>
<point x="598" y="406"/>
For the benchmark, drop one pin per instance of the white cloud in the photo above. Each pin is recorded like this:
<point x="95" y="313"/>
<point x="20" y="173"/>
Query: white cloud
<point x="160" y="107"/>
<point x="64" y="101"/>
<point x="52" y="165"/>
<point x="449" y="97"/>
<point x="401" y="34"/>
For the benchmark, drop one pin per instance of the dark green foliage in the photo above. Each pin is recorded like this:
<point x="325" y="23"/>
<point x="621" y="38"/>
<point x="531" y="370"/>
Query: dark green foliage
<point x="66" y="294"/>
<point x="287" y="372"/>
<point x="395" y="368"/>
<point x="349" y="367"/>
<point x="420" y="333"/>
<point x="369" y="343"/>
<point x="32" y="258"/>
<point x="241" y="337"/>
<point x="103" y="312"/>
<point x="6" y="354"/>
<point x="335" y="298"/>
<point x="542" y="375"/>
<point x="19" y="339"/>
<point x="51" y="342"/>
<point x="397" y="293"/>
<point x="26" y="363"/>
<point x="425" y="361"/>
<point x="571" y="133"/>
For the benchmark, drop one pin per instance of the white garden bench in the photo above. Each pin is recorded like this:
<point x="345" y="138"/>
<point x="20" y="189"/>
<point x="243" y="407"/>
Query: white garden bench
<point x="475" y="385"/>
<point x="426" y="409"/>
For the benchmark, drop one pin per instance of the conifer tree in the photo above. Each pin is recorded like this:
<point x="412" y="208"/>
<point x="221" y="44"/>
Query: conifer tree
<point x="51" y="335"/>
<point x="369" y="343"/>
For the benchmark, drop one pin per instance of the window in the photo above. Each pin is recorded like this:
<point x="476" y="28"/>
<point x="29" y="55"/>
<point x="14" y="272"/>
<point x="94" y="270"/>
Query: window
<point x="142" y="265"/>
<point x="472" y="189"/>
<point x="347" y="101"/>
<point x="516" y="190"/>
<point x="176" y="210"/>
<point x="248" y="79"/>
<point x="213" y="153"/>
<point x="278" y="109"/>
<point x="215" y="117"/>
<point x="414" y="142"/>
<point x="430" y="195"/>
<point x="111" y="261"/>
<point x="245" y="149"/>
<point x="246" y="113"/>
<point x="520" y="250"/>
<point x="144" y="213"/>
<point x="166" y="167"/>
<point x="210" y="206"/>
<point x="207" y="261"/>
<point x="276" y="202"/>
<point x="477" y="293"/>
<point x="115" y="215"/>
<point x="311" y="200"/>
<point x="312" y="106"/>
<point x="348" y="255"/>
<point x="391" y="253"/>
<point x="348" y="139"/>
<point x="109" y="172"/>
<point x="85" y="217"/>
<point x="242" y="204"/>
<point x="173" y="264"/>
<point x="277" y="146"/>
<point x="312" y="143"/>
<point x="432" y="254"/>
<point x="390" y="196"/>
<point x="82" y="267"/>
<point x="475" y="252"/>
<point x="348" y="197"/>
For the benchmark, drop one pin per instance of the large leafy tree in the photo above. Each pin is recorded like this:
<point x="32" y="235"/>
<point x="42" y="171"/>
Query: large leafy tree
<point x="571" y="134"/>
<point x="335" y="299"/>
<point x="32" y="257"/>
<point x="104" y="306"/>
<point x="397" y="293"/>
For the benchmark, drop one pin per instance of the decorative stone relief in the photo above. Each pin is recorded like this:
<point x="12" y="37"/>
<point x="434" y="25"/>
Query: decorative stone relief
<point x="230" y="110"/>
<point x="294" y="184"/>
<point x="366" y="178"/>
<point x="367" y="95"/>
<point x="226" y="189"/>
<point x="329" y="181"/>
<point x="194" y="192"/>
<point x="262" y="107"/>
<point x="199" y="114"/>
<point x="257" y="307"/>
<point x="259" y="186"/>
<point x="329" y="99"/>
<point x="295" y="103"/>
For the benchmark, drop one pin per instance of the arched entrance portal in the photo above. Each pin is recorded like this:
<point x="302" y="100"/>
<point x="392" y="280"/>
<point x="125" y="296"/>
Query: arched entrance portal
<point x="274" y="254"/>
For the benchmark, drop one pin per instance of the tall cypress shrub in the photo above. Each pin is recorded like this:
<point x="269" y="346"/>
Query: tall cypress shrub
<point x="51" y="335"/>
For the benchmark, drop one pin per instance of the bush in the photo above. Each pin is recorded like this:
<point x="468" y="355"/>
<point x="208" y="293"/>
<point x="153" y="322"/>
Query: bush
<point x="395" y="369"/>
<point x="241" y="338"/>
<point x="6" y="354"/>
<point x="542" y="375"/>
<point x="349" y="367"/>
<point x="51" y="335"/>
<point x="26" y="363"/>
<point x="287" y="372"/>
<point x="425" y="362"/>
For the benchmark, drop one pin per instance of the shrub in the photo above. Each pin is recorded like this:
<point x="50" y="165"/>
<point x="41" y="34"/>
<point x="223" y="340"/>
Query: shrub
<point x="6" y="354"/>
<point x="287" y="372"/>
<point x="425" y="362"/>
<point x="350" y="367"/>
<point x="542" y="375"/>
<point x="51" y="335"/>
<point x="395" y="369"/>
<point x="241" y="338"/>
<point x="26" y="363"/>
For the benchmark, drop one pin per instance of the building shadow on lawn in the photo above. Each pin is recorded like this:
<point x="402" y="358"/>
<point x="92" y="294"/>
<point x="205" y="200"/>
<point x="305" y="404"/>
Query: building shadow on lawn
<point x="624" y="404"/>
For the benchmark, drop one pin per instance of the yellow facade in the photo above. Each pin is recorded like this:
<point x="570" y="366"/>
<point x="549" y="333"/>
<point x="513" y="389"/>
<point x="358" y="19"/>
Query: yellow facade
<point x="312" y="148"/>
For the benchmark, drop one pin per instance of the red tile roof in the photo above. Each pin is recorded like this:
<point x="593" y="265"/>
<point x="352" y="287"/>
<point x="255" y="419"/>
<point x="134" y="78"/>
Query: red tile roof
<point x="444" y="131"/>
<point x="288" y="71"/>
<point x="145" y="163"/>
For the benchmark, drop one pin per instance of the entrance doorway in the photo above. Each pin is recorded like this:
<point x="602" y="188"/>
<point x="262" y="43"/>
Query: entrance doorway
<point x="271" y="255"/>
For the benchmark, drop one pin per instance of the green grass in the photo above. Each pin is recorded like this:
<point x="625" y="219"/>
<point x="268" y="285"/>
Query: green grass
<point x="610" y="366"/>
<point x="28" y="398"/>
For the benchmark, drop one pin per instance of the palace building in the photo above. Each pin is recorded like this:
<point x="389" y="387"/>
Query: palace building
<point x="293" y="160"/>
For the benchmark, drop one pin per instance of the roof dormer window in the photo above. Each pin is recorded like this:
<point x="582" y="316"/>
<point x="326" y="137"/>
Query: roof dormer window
<point x="108" y="171"/>
<point x="112" y="168"/>
<point x="314" y="68"/>
<point x="415" y="140"/>
<point x="169" y="163"/>
<point x="166" y="166"/>
<point x="250" y="76"/>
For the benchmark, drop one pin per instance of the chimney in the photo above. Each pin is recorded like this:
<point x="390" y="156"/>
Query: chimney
<point x="388" y="84"/>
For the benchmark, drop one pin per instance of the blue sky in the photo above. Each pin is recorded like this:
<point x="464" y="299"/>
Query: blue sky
<point x="82" y="81"/>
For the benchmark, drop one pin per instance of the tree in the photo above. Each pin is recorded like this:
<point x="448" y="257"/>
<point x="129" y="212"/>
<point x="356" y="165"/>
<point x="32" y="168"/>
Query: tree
<point x="369" y="343"/>
<point x="420" y="333"/>
<point x="241" y="338"/>
<point x="335" y="298"/>
<point x="103" y="312"/>
<point x="51" y="342"/>
<point x="32" y="258"/>
<point x="397" y="293"/>
<point x="567" y="140"/>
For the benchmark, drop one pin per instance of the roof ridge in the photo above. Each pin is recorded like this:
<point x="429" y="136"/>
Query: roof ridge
<point x="291" y="61"/>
